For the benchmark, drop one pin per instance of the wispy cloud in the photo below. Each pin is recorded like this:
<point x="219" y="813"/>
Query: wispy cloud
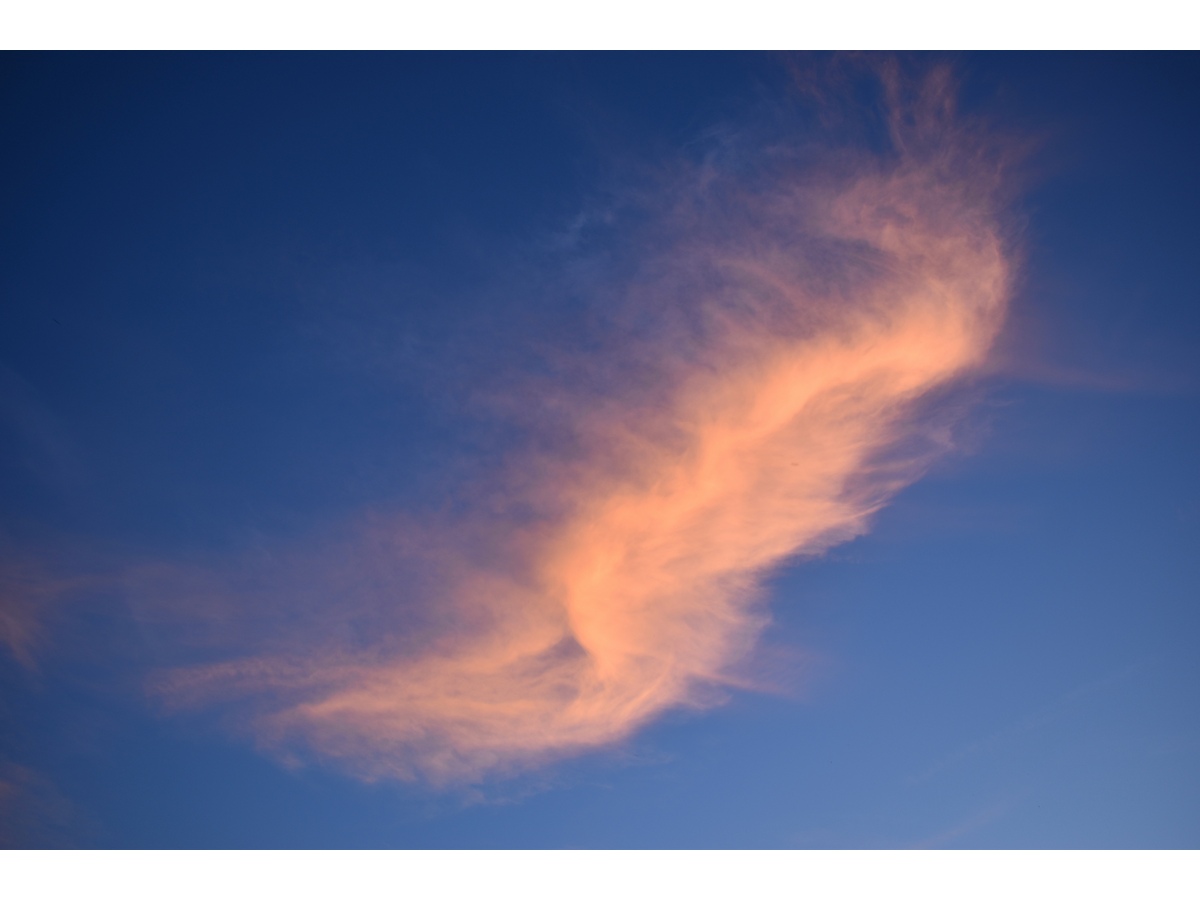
<point x="971" y="824"/>
<point x="797" y="313"/>
<point x="34" y="586"/>
<point x="786" y="314"/>
<point x="34" y="814"/>
<point x="1051" y="712"/>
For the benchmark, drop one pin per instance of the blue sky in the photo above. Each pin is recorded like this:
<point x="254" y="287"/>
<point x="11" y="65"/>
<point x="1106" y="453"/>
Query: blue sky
<point x="258" y="307"/>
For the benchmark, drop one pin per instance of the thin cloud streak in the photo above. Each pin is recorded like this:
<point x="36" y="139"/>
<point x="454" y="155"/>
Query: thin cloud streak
<point x="806" y="316"/>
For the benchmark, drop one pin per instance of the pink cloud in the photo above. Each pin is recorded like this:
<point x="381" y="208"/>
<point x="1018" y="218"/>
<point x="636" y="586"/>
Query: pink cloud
<point x="810" y="313"/>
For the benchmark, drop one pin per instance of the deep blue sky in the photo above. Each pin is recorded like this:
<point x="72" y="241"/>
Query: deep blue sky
<point x="246" y="295"/>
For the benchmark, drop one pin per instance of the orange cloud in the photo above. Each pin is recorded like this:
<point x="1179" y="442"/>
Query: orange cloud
<point x="819" y="312"/>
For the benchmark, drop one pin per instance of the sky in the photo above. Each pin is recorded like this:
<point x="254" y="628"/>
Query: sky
<point x="600" y="450"/>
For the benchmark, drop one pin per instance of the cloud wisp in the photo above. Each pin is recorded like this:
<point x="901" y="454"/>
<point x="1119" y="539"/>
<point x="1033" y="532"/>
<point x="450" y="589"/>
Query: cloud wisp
<point x="803" y="315"/>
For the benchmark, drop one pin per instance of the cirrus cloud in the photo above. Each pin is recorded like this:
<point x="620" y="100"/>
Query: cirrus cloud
<point x="803" y="312"/>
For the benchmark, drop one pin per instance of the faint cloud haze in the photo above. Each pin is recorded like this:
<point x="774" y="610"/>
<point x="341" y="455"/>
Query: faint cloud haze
<point x="33" y="812"/>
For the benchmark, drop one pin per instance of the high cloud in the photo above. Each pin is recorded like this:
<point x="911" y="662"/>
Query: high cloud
<point x="793" y="316"/>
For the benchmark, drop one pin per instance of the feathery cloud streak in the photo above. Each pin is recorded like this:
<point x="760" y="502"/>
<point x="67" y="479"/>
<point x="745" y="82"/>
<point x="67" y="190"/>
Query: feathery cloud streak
<point x="804" y="316"/>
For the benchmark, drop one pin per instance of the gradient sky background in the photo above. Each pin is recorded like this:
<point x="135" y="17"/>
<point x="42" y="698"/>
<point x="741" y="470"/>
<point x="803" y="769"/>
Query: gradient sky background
<point x="249" y="298"/>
